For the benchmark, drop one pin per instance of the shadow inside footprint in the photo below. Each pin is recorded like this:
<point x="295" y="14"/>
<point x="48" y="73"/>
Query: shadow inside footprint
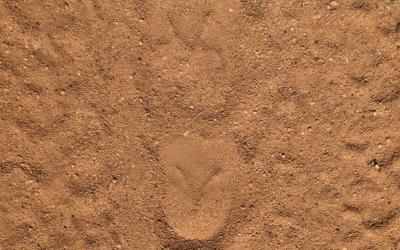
<point x="198" y="186"/>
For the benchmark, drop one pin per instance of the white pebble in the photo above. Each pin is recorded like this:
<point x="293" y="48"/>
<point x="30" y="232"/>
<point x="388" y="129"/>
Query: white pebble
<point x="334" y="3"/>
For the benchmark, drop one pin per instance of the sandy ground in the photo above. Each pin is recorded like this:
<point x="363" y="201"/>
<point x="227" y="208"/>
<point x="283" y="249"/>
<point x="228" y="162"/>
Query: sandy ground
<point x="199" y="124"/>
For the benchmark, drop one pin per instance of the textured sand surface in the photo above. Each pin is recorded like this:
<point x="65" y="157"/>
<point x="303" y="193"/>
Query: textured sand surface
<point x="199" y="124"/>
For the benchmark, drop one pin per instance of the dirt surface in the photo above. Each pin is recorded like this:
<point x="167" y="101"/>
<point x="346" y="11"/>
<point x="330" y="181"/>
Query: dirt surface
<point x="207" y="124"/>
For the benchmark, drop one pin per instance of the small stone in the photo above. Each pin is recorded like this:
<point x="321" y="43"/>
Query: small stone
<point x="334" y="3"/>
<point x="90" y="112"/>
<point x="231" y="10"/>
<point x="36" y="44"/>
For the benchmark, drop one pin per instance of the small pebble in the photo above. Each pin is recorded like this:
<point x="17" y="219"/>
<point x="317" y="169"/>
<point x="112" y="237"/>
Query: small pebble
<point x="90" y="112"/>
<point x="334" y="3"/>
<point x="36" y="44"/>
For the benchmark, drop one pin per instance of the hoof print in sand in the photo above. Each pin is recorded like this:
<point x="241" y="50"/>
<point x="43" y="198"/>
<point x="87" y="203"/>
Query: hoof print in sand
<point x="199" y="184"/>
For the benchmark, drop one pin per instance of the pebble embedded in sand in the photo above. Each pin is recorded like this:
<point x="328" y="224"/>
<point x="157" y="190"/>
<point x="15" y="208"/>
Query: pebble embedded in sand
<point x="334" y="3"/>
<point x="36" y="44"/>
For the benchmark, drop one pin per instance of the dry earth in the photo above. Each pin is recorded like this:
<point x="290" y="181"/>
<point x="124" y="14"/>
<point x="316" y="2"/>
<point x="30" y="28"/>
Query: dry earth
<point x="199" y="124"/>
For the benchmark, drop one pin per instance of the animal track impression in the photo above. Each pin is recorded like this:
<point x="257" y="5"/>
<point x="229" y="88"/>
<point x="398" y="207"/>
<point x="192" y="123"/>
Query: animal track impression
<point x="199" y="186"/>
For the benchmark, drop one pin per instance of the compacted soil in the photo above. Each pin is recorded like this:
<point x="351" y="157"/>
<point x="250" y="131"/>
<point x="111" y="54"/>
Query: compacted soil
<point x="199" y="124"/>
